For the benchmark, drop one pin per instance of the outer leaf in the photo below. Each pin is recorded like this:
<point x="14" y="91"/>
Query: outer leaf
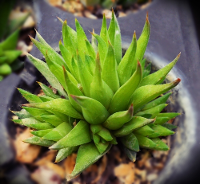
<point x="127" y="64"/>
<point x="118" y="119"/>
<point x="33" y="123"/>
<point x="44" y="70"/>
<point x="147" y="93"/>
<point x="29" y="96"/>
<point x="135" y="123"/>
<point x="153" y="111"/>
<point x="130" y="154"/>
<point x="22" y="114"/>
<point x="160" y="131"/>
<point x="142" y="41"/>
<point x="87" y="155"/>
<point x="60" y="105"/>
<point x="65" y="152"/>
<point x="160" y="145"/>
<point x="145" y="142"/>
<point x="109" y="72"/>
<point x="104" y="32"/>
<point x="145" y="131"/>
<point x="12" y="55"/>
<point x="48" y="91"/>
<point x="121" y="98"/>
<point x="79" y="135"/>
<point x="93" y="111"/>
<point x="68" y="42"/>
<point x="169" y="126"/>
<point x="59" y="132"/>
<point x="159" y="76"/>
<point x="40" y="133"/>
<point x="130" y="141"/>
<point x="52" y="54"/>
<point x="52" y="119"/>
<point x="81" y="37"/>
<point x="158" y="101"/>
<point x="39" y="141"/>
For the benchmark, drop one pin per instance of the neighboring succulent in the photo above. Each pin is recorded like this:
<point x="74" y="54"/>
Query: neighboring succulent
<point x="9" y="33"/>
<point x="102" y="99"/>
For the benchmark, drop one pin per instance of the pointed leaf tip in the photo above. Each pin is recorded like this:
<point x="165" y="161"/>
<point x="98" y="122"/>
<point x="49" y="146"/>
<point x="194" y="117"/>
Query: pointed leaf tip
<point x="130" y="110"/>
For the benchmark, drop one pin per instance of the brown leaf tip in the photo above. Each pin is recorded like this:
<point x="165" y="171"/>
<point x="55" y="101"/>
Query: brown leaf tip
<point x="130" y="110"/>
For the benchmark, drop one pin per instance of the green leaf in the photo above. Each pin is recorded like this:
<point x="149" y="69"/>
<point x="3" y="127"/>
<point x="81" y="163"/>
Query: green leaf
<point x="105" y="134"/>
<point x="22" y="114"/>
<point x="145" y="142"/>
<point x="142" y="41"/>
<point x="29" y="96"/>
<point x="79" y="135"/>
<point x="96" y="138"/>
<point x="93" y="111"/>
<point x="90" y="49"/>
<point x="81" y="37"/>
<point x="84" y="75"/>
<point x="170" y="115"/>
<point x="99" y="90"/>
<point x="118" y="42"/>
<point x="52" y="54"/>
<point x="65" y="152"/>
<point x="95" y="128"/>
<point x="72" y="89"/>
<point x="87" y="155"/>
<point x="130" y="154"/>
<point x="127" y="64"/>
<point x="169" y="126"/>
<point x="102" y="146"/>
<point x="40" y="133"/>
<point x="135" y="123"/>
<point x="102" y="48"/>
<point x="45" y="98"/>
<point x="39" y="141"/>
<point x="10" y="43"/>
<point x="159" y="76"/>
<point x="5" y="69"/>
<point x="60" y="105"/>
<point x="48" y="91"/>
<point x="147" y="70"/>
<point x="153" y="111"/>
<point x="161" y="120"/>
<point x="145" y="131"/>
<point x="158" y="101"/>
<point x="118" y="119"/>
<point x="147" y="93"/>
<point x="12" y="55"/>
<point x="121" y="98"/>
<point x="67" y="39"/>
<point x="104" y="32"/>
<point x="59" y="132"/>
<point x="33" y="123"/>
<point x="159" y="131"/>
<point x="130" y="141"/>
<point x="94" y="43"/>
<point x="67" y="56"/>
<point x="44" y="70"/>
<point x="35" y="112"/>
<point x="109" y="72"/>
<point x="52" y="119"/>
<point x="160" y="145"/>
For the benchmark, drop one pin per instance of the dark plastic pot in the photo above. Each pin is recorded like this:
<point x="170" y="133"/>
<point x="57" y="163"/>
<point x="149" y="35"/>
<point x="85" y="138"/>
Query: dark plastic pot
<point x="172" y="31"/>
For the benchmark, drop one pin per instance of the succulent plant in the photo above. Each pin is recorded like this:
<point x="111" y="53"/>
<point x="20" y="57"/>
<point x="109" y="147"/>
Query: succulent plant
<point x="9" y="33"/>
<point x="101" y="98"/>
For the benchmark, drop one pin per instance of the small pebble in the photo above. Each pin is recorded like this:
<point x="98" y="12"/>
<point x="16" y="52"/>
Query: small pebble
<point x="152" y="176"/>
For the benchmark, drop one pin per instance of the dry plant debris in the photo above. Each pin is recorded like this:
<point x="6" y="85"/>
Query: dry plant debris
<point x="95" y="12"/>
